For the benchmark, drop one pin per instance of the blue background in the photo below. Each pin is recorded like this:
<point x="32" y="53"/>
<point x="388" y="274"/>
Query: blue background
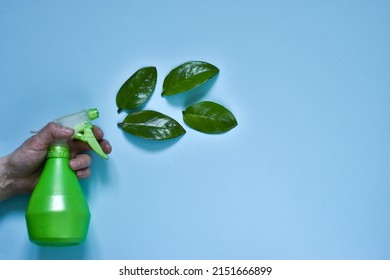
<point x="304" y="175"/>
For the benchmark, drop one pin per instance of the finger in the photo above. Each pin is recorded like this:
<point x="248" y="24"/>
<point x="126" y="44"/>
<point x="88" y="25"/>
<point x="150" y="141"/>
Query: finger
<point x="81" y="161"/>
<point x="106" y="146"/>
<point x="99" y="134"/>
<point x="83" y="173"/>
<point x="79" y="146"/>
<point x="49" y="133"/>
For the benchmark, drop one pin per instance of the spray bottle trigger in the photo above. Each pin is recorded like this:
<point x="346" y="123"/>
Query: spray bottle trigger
<point x="86" y="135"/>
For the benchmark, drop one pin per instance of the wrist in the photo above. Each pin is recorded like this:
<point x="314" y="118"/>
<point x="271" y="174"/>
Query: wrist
<point x="7" y="183"/>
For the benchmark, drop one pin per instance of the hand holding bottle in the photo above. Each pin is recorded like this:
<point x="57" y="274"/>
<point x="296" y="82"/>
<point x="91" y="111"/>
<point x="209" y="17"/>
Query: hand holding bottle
<point x="20" y="170"/>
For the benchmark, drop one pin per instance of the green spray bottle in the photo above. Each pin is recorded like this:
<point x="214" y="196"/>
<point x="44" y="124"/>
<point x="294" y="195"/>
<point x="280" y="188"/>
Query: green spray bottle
<point x="58" y="213"/>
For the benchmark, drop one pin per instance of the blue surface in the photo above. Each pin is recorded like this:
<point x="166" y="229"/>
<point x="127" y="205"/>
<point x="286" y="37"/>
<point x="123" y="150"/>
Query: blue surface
<point x="305" y="174"/>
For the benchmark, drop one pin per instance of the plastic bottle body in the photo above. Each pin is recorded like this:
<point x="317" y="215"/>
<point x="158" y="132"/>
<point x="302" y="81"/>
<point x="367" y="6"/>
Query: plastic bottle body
<point x="57" y="213"/>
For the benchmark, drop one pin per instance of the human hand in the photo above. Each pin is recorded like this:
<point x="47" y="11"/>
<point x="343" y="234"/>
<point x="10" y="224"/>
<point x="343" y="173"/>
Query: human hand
<point x="19" y="171"/>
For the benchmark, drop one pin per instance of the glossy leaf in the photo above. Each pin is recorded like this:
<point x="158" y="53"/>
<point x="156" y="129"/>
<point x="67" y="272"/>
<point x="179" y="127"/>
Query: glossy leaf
<point x="188" y="76"/>
<point x="209" y="117"/>
<point x="151" y="125"/>
<point x="137" y="89"/>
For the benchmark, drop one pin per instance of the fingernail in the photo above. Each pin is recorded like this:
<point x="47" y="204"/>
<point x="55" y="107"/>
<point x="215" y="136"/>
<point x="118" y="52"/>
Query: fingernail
<point x="74" y="164"/>
<point x="67" y="130"/>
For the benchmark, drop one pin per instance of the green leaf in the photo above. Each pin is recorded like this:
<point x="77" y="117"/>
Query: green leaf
<point x="188" y="76"/>
<point x="137" y="89"/>
<point x="151" y="125"/>
<point x="209" y="117"/>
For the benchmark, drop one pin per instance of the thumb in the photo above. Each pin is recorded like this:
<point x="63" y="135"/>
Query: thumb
<point x="51" y="132"/>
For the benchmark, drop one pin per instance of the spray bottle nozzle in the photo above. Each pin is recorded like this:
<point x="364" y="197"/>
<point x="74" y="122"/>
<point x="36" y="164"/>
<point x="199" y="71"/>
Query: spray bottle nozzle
<point x="82" y="126"/>
<point x="92" y="114"/>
